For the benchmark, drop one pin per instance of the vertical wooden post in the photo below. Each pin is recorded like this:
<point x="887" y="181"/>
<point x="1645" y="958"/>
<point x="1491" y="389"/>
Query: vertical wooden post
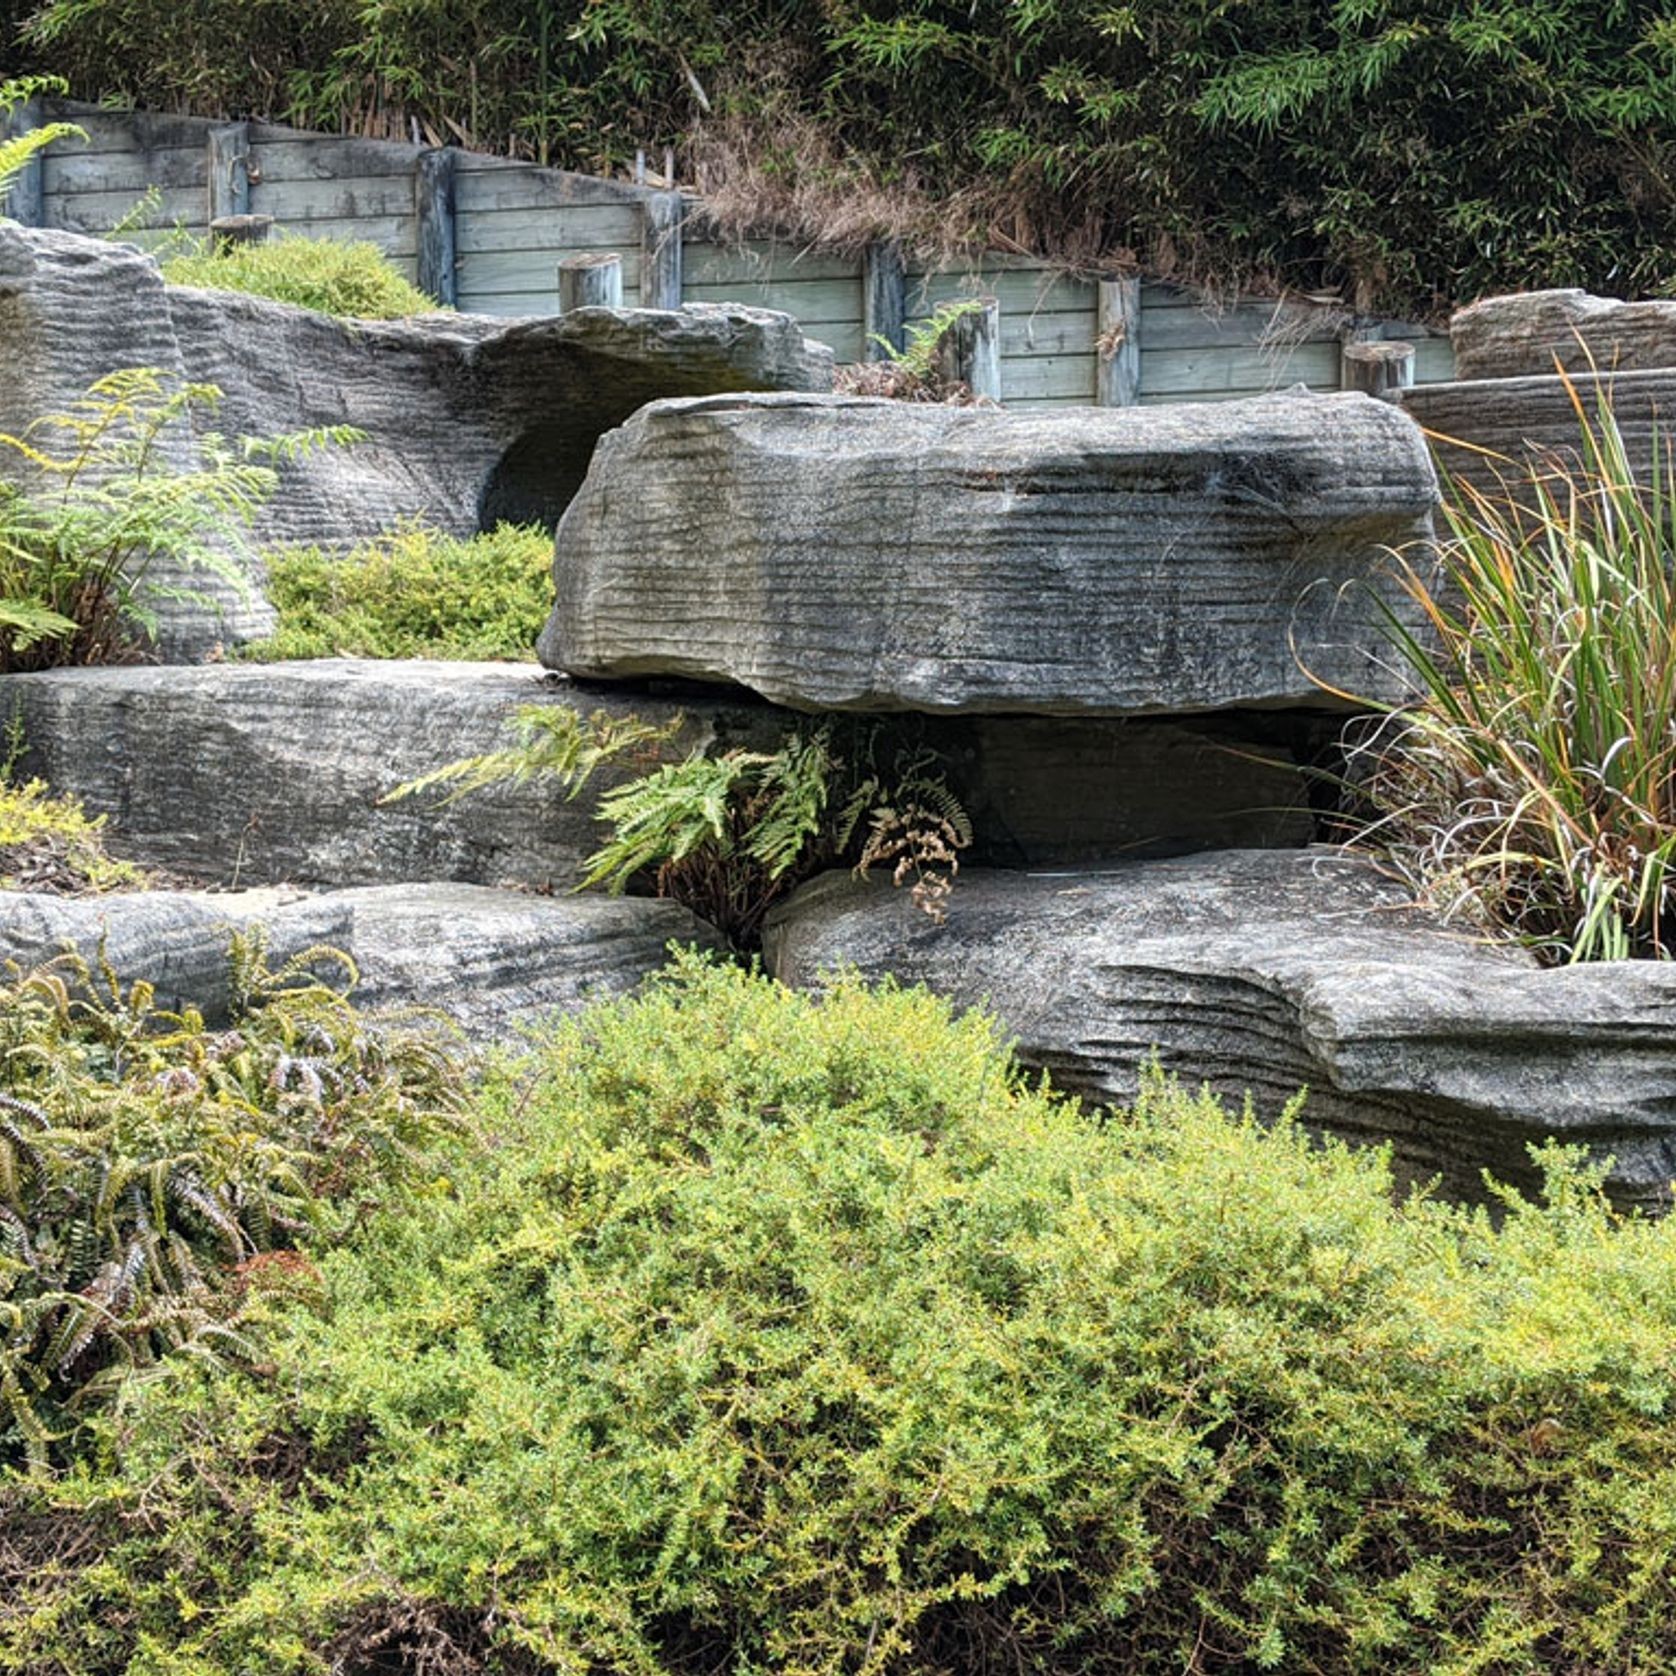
<point x="26" y="201"/>
<point x="662" y="284"/>
<point x="970" y="350"/>
<point x="884" y="300"/>
<point x="592" y="281"/>
<point x="1376" y="368"/>
<point x="1117" y="347"/>
<point x="229" y="171"/>
<point x="433" y="203"/>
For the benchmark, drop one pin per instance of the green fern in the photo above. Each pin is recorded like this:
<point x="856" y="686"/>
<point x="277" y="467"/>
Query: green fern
<point x="146" y="1161"/>
<point x="730" y="834"/>
<point x="17" y="149"/>
<point x="93" y="503"/>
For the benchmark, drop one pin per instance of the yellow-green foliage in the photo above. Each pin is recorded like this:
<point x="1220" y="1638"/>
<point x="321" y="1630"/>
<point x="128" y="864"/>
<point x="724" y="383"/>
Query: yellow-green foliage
<point x="49" y="843"/>
<point x="356" y="280"/>
<point x="413" y="594"/>
<point x="797" y="1337"/>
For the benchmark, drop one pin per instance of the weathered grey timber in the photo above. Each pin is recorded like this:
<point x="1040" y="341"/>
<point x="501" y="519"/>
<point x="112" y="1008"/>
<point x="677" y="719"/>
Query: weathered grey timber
<point x="490" y="959"/>
<point x="262" y="774"/>
<point x="467" y="419"/>
<point x="1273" y="970"/>
<point x="843" y="553"/>
<point x="1529" y="333"/>
<point x="1485" y="430"/>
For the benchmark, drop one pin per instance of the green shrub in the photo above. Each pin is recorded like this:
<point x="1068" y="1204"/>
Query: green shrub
<point x="148" y="1164"/>
<point x="787" y="1336"/>
<point x="355" y="280"/>
<point x="1532" y="786"/>
<point x="414" y="594"/>
<point x="92" y="498"/>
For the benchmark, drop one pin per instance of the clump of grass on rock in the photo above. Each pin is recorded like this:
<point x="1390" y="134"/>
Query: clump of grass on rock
<point x="1531" y="787"/>
<point x="413" y="594"/>
<point x="355" y="280"/>
<point x="806" y="1336"/>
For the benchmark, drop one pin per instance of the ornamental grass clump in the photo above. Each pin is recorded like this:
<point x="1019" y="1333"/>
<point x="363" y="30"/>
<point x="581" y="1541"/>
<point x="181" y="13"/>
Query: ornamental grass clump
<point x="807" y="1336"/>
<point x="1530" y="787"/>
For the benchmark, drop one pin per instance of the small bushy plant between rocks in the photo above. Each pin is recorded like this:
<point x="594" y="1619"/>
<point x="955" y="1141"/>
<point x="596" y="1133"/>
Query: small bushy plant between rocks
<point x="730" y="833"/>
<point x="413" y="594"/>
<point x="152" y="1168"/>
<point x="354" y="280"/>
<point x="806" y="1336"/>
<point x="49" y="843"/>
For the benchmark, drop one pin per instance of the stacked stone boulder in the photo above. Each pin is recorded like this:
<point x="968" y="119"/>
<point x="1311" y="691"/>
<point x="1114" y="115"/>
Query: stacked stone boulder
<point x="1525" y="363"/>
<point x="266" y="782"/>
<point x="1179" y="563"/>
<point x="1127" y="635"/>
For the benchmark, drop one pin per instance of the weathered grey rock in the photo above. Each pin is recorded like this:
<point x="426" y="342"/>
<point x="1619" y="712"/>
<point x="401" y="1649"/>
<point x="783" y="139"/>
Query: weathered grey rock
<point x="1526" y="334"/>
<point x="1269" y="971"/>
<point x="268" y="773"/>
<point x="468" y="419"/>
<point x="841" y="553"/>
<point x="1048" y="791"/>
<point x="1486" y="430"/>
<point x="490" y="959"/>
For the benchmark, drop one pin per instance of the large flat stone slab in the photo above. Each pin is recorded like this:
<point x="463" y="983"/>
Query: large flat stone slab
<point x="264" y="773"/>
<point x="1269" y="971"/>
<point x="273" y="773"/>
<point x="467" y="419"/>
<point x="851" y="554"/>
<point x="1529" y="333"/>
<point x="492" y="960"/>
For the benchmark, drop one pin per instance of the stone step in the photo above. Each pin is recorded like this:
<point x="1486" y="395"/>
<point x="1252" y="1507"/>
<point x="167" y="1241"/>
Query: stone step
<point x="1271" y="971"/>
<point x="492" y="960"/>
<point x="848" y="554"/>
<point x="237" y="773"/>
<point x="271" y="773"/>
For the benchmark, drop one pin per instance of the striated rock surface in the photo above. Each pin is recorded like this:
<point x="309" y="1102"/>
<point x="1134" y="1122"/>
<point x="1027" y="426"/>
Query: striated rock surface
<point x="1485" y="430"/>
<point x="468" y="420"/>
<point x="262" y="773"/>
<point x="490" y="959"/>
<point x="1270" y="971"/>
<point x="1525" y="334"/>
<point x="266" y="773"/>
<point x="840" y="553"/>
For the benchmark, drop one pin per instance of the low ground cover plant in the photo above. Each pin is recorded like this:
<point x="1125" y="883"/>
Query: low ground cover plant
<point x="806" y="1336"/>
<point x="1530" y="788"/>
<point x="152" y="1168"/>
<point x="413" y="594"/>
<point x="353" y="279"/>
<point x="103" y="501"/>
<point x="48" y="842"/>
